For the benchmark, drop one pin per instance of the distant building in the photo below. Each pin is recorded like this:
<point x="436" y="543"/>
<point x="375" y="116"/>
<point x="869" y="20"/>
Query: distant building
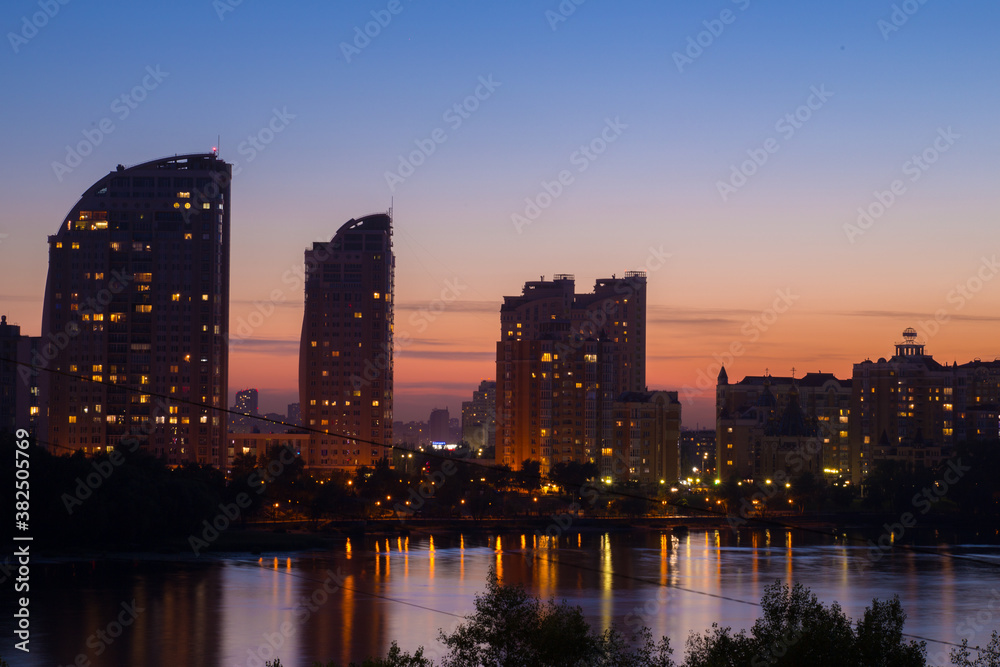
<point x="258" y="444"/>
<point x="294" y="414"/>
<point x="19" y="388"/>
<point x="479" y="417"/>
<point x="411" y="435"/>
<point x="912" y="408"/>
<point x="246" y="409"/>
<point x="562" y="359"/>
<point x="767" y="423"/>
<point x="698" y="454"/>
<point x="647" y="436"/>
<point x="438" y="428"/>
<point x="345" y="353"/>
<point x="137" y="307"/>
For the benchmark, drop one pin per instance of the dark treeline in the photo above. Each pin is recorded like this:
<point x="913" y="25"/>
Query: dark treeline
<point x="130" y="499"/>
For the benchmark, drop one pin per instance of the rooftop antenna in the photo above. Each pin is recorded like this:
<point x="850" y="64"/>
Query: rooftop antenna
<point x="392" y="201"/>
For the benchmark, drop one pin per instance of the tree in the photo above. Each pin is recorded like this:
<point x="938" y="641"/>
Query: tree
<point x="513" y="629"/>
<point x="797" y="629"/>
<point x="529" y="477"/>
<point x="572" y="475"/>
<point x="988" y="656"/>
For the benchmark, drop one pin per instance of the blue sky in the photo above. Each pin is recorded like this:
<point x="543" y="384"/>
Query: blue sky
<point x="344" y="125"/>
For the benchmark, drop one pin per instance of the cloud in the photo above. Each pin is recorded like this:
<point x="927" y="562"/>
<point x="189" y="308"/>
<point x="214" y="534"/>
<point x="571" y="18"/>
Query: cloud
<point x="458" y="306"/>
<point x="276" y="346"/>
<point x="913" y="316"/>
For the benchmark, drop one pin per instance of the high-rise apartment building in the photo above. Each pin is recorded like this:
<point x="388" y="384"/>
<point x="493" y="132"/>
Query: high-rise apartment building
<point x="562" y="359"/>
<point x="479" y="417"/>
<point x="19" y="409"/>
<point x="437" y="425"/>
<point x="345" y="353"/>
<point x="137" y="304"/>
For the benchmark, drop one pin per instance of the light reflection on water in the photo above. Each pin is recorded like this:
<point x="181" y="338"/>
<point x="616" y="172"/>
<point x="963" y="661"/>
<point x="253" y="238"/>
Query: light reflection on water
<point x="243" y="610"/>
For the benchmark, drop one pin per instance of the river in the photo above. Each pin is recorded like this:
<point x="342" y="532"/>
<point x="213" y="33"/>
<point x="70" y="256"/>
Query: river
<point x="351" y="601"/>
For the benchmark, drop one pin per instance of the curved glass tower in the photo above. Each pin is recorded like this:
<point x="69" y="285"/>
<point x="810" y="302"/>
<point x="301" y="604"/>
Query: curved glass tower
<point x="345" y="353"/>
<point x="137" y="302"/>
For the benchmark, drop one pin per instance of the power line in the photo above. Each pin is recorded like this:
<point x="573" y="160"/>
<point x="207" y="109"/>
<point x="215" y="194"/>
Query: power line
<point x="484" y="466"/>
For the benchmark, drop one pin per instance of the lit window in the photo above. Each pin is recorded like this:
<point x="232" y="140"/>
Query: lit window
<point x="143" y="308"/>
<point x="72" y="419"/>
<point x="375" y="404"/>
<point x="176" y="296"/>
<point x="546" y="357"/>
<point x="187" y="237"/>
<point x="357" y="316"/>
<point x="184" y="195"/>
<point x="206" y="206"/>
<point x="377" y="295"/>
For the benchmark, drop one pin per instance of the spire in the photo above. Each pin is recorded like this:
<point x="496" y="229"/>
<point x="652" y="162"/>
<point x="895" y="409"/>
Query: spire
<point x="723" y="377"/>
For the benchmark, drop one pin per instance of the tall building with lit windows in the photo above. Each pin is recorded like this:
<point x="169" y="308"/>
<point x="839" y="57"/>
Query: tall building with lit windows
<point x="137" y="305"/>
<point x="562" y="360"/>
<point x="345" y="353"/>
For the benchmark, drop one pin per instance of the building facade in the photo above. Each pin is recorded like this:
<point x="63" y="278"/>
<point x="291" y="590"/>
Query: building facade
<point x="912" y="408"/>
<point x="767" y="423"/>
<point x="562" y="358"/>
<point x="647" y="437"/>
<point x="137" y="307"/>
<point x="345" y="353"/>
<point x="19" y="390"/>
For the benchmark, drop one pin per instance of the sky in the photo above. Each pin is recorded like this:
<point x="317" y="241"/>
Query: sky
<point x="802" y="181"/>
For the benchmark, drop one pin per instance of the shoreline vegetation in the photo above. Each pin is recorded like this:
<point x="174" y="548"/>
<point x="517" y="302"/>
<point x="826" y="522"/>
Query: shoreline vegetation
<point x="132" y="502"/>
<point x="510" y="628"/>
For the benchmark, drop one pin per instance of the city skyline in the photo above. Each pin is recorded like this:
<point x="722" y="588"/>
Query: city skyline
<point x="864" y="100"/>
